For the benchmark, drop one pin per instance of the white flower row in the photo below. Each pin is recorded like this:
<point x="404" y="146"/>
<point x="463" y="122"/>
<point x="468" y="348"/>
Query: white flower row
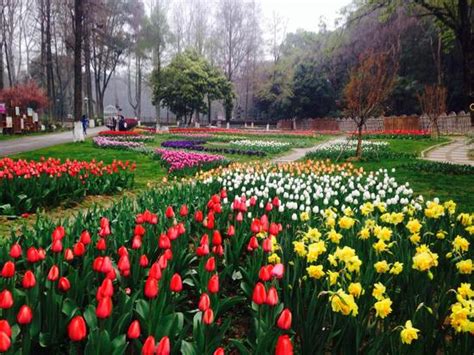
<point x="260" y="143"/>
<point x="317" y="192"/>
<point x="345" y="144"/>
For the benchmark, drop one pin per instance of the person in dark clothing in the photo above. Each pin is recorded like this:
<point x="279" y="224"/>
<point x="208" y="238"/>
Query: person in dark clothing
<point x="85" y="124"/>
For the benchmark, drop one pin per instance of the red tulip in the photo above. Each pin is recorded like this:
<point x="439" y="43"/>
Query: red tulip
<point x="208" y="316"/>
<point x="97" y="263"/>
<point x="53" y="273"/>
<point x="265" y="272"/>
<point x="164" y="242"/>
<point x="216" y="238"/>
<point x="79" y="249"/>
<point x="218" y="250"/>
<point x="6" y="299"/>
<point x="32" y="255"/>
<point x="162" y="262"/>
<point x="256" y="226"/>
<point x="204" y="302"/>
<point x="139" y="230"/>
<point x="213" y="284"/>
<point x="267" y="245"/>
<point x="101" y="244"/>
<point x="198" y="216"/>
<point x="85" y="237"/>
<point x="143" y="260"/>
<point x="168" y="254"/>
<point x="77" y="329"/>
<point x="172" y="233"/>
<point x="124" y="265"/>
<point x="284" y="346"/>
<point x="276" y="202"/>
<point x="176" y="285"/>
<point x="253" y="244"/>
<point x="104" y="308"/>
<point x="5" y="342"/>
<point x="15" y="251"/>
<point x="202" y="250"/>
<point x="164" y="347"/>
<point x="68" y="254"/>
<point x="136" y="242"/>
<point x="180" y="228"/>
<point x="268" y="207"/>
<point x="284" y="320"/>
<point x="219" y="351"/>
<point x="210" y="264"/>
<point x="8" y="269"/>
<point x="272" y="297"/>
<point x="183" y="211"/>
<point x="57" y="246"/>
<point x="134" y="330"/>
<point x="5" y="327"/>
<point x="231" y="231"/>
<point x="151" y="287"/>
<point x="106" y="289"/>
<point x="25" y="315"/>
<point x="122" y="251"/>
<point x="169" y="212"/>
<point x="41" y="254"/>
<point x="273" y="230"/>
<point x="155" y="271"/>
<point x="149" y="346"/>
<point x="29" y="280"/>
<point x="58" y="233"/>
<point x="259" y="294"/>
<point x="106" y="265"/>
<point x="64" y="285"/>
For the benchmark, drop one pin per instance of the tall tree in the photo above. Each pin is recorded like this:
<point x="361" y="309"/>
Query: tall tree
<point x="78" y="17"/>
<point x="2" y="70"/>
<point x="433" y="105"/>
<point x="370" y="84"/>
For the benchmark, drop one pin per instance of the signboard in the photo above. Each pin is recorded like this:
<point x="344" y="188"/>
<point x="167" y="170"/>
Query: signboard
<point x="35" y="117"/>
<point x="17" y="111"/>
<point x="9" y="122"/>
<point x="22" y="123"/>
<point x="3" y="108"/>
<point x="29" y="111"/>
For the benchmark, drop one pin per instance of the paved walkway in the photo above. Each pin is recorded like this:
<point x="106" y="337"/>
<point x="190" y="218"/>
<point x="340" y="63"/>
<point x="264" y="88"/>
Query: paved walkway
<point x="455" y="152"/>
<point x="26" y="144"/>
<point x="298" y="153"/>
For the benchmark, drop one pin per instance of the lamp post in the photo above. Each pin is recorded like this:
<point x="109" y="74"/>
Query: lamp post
<point x="86" y="102"/>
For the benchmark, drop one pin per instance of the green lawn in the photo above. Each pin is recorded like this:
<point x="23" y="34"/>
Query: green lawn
<point x="459" y="188"/>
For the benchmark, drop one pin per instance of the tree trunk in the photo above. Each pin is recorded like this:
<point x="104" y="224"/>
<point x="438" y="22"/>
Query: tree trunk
<point x="359" y="141"/>
<point x="435" y="133"/>
<point x="78" y="14"/>
<point x="466" y="39"/>
<point x="87" y="64"/>
<point x="2" y="83"/>
<point x="209" y="110"/>
<point x="49" y="61"/>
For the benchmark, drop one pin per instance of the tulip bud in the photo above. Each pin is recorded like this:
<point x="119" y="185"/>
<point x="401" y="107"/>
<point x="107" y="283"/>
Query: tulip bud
<point x="139" y="230"/>
<point x="25" y="315"/>
<point x="168" y="254"/>
<point x="164" y="347"/>
<point x="278" y="271"/>
<point x="8" y="269"/>
<point x="240" y="217"/>
<point x="231" y="231"/>
<point x="53" y="273"/>
<point x="79" y="249"/>
<point x="198" y="216"/>
<point x="5" y="327"/>
<point x="272" y="297"/>
<point x="208" y="316"/>
<point x="204" y="302"/>
<point x="259" y="294"/>
<point x="213" y="284"/>
<point x="164" y="242"/>
<point x="68" y="254"/>
<point x="265" y="273"/>
<point x="106" y="265"/>
<point x="134" y="330"/>
<point x="136" y="242"/>
<point x="216" y="238"/>
<point x="149" y="346"/>
<point x="219" y="351"/>
<point x="57" y="246"/>
<point x="77" y="329"/>
<point x="85" y="237"/>
<point x="15" y="251"/>
<point x="101" y="244"/>
<point x="176" y="285"/>
<point x="169" y="212"/>
<point x="29" y="280"/>
<point x="6" y="299"/>
<point x="284" y="346"/>
<point x="284" y="320"/>
<point x="143" y="260"/>
<point x="64" y="285"/>
<point x="210" y="264"/>
<point x="183" y="211"/>
<point x="32" y="255"/>
<point x="151" y="287"/>
<point x="104" y="308"/>
<point x="155" y="271"/>
<point x="5" y="342"/>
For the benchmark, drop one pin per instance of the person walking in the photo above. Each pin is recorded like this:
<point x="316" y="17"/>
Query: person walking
<point x="85" y="124"/>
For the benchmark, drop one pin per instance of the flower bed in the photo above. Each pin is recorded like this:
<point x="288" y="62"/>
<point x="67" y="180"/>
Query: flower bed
<point x="306" y="258"/>
<point x="189" y="163"/>
<point x="396" y="134"/>
<point x="27" y="185"/>
<point x="267" y="146"/>
<point x="305" y="133"/>
<point x="108" y="142"/>
<point x="346" y="148"/>
<point x="197" y="144"/>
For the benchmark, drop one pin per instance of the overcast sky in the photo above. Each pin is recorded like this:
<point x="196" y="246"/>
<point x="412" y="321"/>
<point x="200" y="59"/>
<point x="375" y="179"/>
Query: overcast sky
<point x="304" y="14"/>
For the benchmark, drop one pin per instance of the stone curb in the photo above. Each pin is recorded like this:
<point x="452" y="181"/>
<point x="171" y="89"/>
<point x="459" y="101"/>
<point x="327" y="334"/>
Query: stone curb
<point x="429" y="149"/>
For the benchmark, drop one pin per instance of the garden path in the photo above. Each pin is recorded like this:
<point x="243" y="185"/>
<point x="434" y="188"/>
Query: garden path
<point x="298" y="153"/>
<point x="28" y="143"/>
<point x="455" y="152"/>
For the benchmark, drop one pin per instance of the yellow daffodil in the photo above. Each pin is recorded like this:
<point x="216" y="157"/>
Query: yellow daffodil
<point x="315" y="271"/>
<point x="381" y="267"/>
<point x="408" y="333"/>
<point x="434" y="210"/>
<point x="414" y="226"/>
<point x="332" y="277"/>
<point x="460" y="244"/>
<point x="450" y="206"/>
<point x="334" y="236"/>
<point x="378" y="291"/>
<point x="465" y="219"/>
<point x="304" y="216"/>
<point x="346" y="222"/>
<point x="465" y="266"/>
<point x="274" y="259"/>
<point x="364" y="233"/>
<point x="299" y="248"/>
<point x="367" y="208"/>
<point x="383" y="307"/>
<point x="415" y="238"/>
<point x="355" y="289"/>
<point x="315" y="250"/>
<point x="344" y="303"/>
<point x="424" y="259"/>
<point x="465" y="291"/>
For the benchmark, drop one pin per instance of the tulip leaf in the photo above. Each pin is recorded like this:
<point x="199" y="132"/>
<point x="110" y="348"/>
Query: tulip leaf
<point x="188" y="348"/>
<point x="119" y="344"/>
<point x="69" y="307"/>
<point x="143" y="309"/>
<point x="240" y="346"/>
<point x="90" y="317"/>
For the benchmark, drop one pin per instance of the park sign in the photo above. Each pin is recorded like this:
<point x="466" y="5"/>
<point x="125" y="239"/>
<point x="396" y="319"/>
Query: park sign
<point x="3" y="108"/>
